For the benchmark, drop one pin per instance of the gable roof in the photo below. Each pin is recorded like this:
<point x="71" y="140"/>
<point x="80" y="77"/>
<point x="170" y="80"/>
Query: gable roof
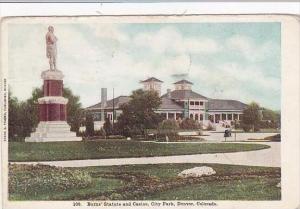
<point x="151" y="79"/>
<point x="225" y="104"/>
<point x="118" y="101"/>
<point x="184" y="94"/>
<point x="167" y="103"/>
<point x="183" y="82"/>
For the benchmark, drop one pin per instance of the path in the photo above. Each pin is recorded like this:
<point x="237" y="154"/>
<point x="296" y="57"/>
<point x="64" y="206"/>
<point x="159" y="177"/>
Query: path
<point x="266" y="157"/>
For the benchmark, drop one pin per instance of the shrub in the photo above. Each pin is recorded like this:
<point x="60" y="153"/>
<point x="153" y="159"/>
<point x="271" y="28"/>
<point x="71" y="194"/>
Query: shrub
<point x="107" y="127"/>
<point x="89" y="124"/>
<point x="246" y="127"/>
<point x="210" y="127"/>
<point x="275" y="138"/>
<point x="188" y="123"/>
<point x="169" y="125"/>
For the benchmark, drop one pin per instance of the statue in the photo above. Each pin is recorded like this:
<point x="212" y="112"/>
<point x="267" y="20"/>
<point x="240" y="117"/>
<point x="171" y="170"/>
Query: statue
<point x="51" y="50"/>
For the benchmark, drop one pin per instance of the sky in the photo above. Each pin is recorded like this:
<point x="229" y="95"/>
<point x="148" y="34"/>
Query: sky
<point x="238" y="61"/>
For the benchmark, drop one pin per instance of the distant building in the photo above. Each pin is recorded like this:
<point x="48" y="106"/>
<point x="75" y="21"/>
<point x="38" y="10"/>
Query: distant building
<point x="178" y="104"/>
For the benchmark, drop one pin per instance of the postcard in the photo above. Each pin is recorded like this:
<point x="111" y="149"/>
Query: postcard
<point x="190" y="111"/>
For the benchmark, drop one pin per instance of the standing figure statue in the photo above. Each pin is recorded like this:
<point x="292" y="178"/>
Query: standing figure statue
<point x="51" y="51"/>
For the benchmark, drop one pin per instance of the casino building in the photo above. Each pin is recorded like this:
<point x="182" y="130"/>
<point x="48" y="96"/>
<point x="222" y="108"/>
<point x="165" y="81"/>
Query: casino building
<point x="182" y="102"/>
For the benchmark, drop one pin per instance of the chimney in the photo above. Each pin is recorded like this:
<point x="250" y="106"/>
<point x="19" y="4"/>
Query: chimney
<point x="103" y="97"/>
<point x="103" y="102"/>
<point x="169" y="93"/>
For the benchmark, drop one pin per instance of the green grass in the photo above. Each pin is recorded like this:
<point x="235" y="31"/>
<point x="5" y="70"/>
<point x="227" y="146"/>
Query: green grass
<point x="50" y="151"/>
<point x="171" y="170"/>
<point x="246" y="189"/>
<point x="256" y="188"/>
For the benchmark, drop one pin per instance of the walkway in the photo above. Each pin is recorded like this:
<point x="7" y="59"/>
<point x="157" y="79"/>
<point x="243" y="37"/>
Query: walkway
<point x="266" y="157"/>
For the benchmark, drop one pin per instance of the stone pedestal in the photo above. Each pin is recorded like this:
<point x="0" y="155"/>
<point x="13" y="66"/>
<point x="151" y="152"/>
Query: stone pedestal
<point x="52" y="111"/>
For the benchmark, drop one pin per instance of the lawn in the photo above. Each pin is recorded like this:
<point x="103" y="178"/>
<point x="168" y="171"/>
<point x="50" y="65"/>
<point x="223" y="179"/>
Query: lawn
<point x="50" y="151"/>
<point x="148" y="182"/>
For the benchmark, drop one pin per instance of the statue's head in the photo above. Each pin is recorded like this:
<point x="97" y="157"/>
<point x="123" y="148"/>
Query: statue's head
<point x="51" y="28"/>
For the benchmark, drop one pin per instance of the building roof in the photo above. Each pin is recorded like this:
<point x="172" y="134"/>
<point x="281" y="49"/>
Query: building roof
<point x="184" y="94"/>
<point x="225" y="104"/>
<point x="151" y="79"/>
<point x="183" y="82"/>
<point x="167" y="103"/>
<point x="118" y="101"/>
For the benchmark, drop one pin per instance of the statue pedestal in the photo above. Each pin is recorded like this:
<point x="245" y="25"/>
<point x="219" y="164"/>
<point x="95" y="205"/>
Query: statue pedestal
<point x="53" y="124"/>
<point x="51" y="131"/>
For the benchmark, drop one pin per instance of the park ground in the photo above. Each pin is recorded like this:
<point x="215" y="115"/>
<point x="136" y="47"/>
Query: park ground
<point x="131" y="170"/>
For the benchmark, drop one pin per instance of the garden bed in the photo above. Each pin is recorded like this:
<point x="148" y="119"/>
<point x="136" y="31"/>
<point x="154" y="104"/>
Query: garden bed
<point x="155" y="182"/>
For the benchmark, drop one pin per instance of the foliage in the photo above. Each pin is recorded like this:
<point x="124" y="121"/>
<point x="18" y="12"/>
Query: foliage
<point x="189" y="123"/>
<point x="138" y="114"/>
<point x="74" y="110"/>
<point x="275" y="138"/>
<point x="210" y="127"/>
<point x="159" y="182"/>
<point x="40" y="151"/>
<point x="34" y="178"/>
<point x="107" y="127"/>
<point x="168" y="127"/>
<point x="89" y="125"/>
<point x="23" y="115"/>
<point x="251" y="117"/>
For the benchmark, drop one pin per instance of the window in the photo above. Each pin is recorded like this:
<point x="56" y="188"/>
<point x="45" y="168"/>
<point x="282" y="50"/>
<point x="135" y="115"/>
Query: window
<point x="197" y="103"/>
<point x="196" y="116"/>
<point x="229" y="116"/>
<point x="192" y="103"/>
<point x="201" y="103"/>
<point x="191" y="116"/>
<point x="201" y="116"/>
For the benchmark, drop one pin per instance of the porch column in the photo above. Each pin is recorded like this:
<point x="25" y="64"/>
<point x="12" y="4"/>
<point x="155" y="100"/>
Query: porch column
<point x="214" y="118"/>
<point x="167" y="115"/>
<point x="174" y="115"/>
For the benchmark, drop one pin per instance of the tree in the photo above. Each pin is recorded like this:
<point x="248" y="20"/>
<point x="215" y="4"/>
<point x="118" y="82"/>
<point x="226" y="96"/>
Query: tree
<point x="13" y="117"/>
<point x="75" y="113"/>
<point x="138" y="114"/>
<point x="107" y="127"/>
<point x="89" y="124"/>
<point x="251" y="117"/>
<point x="23" y="115"/>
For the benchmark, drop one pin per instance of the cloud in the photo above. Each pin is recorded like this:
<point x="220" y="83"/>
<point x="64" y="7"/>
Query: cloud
<point x="106" y="56"/>
<point x="168" y="39"/>
<point x="251" y="50"/>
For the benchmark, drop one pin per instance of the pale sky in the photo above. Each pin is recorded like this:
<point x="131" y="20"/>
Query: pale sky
<point x="224" y="60"/>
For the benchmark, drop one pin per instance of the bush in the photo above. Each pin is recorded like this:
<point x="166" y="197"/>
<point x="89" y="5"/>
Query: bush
<point x="33" y="178"/>
<point x="246" y="127"/>
<point x="210" y="127"/>
<point x="107" y="127"/>
<point x="89" y="124"/>
<point x="275" y="138"/>
<point x="188" y="123"/>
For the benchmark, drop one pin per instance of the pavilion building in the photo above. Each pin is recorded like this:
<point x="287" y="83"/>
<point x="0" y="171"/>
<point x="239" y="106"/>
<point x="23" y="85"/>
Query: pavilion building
<point x="180" y="103"/>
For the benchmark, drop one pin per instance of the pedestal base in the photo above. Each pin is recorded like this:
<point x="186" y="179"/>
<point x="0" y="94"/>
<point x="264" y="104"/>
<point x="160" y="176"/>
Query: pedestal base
<point x="50" y="131"/>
